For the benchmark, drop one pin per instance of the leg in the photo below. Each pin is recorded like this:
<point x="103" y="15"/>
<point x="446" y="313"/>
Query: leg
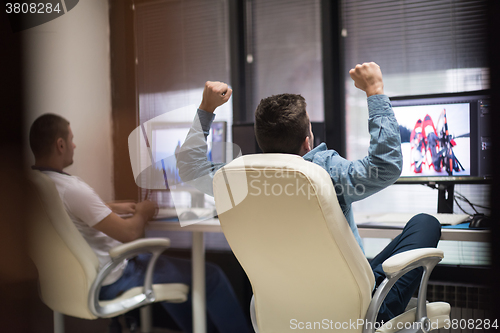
<point x="168" y="270"/>
<point x="224" y="310"/>
<point x="421" y="231"/>
<point x="223" y="307"/>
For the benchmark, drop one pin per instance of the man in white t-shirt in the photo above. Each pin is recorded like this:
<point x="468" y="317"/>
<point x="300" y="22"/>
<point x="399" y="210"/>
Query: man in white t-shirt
<point x="51" y="141"/>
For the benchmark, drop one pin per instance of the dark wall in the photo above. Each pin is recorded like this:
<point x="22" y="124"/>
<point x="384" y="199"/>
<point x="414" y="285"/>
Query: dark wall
<point x="494" y="56"/>
<point x="123" y="95"/>
<point x="17" y="274"/>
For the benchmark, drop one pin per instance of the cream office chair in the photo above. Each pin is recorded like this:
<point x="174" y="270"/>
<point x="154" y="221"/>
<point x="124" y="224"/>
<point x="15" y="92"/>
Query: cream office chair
<point x="69" y="278"/>
<point x="281" y="217"/>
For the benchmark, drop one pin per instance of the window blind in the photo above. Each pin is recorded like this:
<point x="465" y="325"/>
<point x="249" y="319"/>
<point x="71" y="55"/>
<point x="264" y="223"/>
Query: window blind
<point x="180" y="44"/>
<point x="286" y="45"/>
<point x="416" y="35"/>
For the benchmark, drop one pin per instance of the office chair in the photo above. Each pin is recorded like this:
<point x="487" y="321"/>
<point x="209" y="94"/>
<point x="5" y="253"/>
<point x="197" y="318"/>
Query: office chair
<point x="68" y="269"/>
<point x="281" y="217"/>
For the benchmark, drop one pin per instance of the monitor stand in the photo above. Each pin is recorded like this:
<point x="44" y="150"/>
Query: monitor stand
<point x="445" y="198"/>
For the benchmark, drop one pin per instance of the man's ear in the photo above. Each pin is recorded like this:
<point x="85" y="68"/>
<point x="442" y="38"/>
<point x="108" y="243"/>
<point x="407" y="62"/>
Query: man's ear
<point x="305" y="148"/>
<point x="60" y="145"/>
<point x="306" y="144"/>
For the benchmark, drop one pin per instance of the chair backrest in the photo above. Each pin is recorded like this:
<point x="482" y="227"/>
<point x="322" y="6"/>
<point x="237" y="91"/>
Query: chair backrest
<point x="66" y="264"/>
<point x="281" y="217"/>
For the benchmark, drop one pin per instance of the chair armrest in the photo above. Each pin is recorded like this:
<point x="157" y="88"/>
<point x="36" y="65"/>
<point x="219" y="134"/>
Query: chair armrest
<point x="394" y="268"/>
<point x="402" y="260"/>
<point x="140" y="244"/>
<point x="155" y="246"/>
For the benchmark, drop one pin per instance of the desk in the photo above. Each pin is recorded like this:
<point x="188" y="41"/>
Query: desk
<point x="464" y="235"/>
<point x="369" y="230"/>
<point x="213" y="225"/>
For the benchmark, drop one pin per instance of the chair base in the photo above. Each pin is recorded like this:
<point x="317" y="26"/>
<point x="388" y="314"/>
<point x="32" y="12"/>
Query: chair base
<point x="58" y="322"/>
<point x="146" y="319"/>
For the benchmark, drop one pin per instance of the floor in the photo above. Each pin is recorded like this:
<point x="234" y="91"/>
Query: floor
<point x="155" y="329"/>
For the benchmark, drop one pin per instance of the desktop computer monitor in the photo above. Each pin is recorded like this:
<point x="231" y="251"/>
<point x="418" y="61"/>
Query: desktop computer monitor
<point x="244" y="137"/>
<point x="444" y="138"/>
<point x="167" y="139"/>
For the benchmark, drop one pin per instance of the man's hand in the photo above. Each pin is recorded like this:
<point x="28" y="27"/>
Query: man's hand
<point x="146" y="208"/>
<point x="368" y="77"/>
<point x="214" y="95"/>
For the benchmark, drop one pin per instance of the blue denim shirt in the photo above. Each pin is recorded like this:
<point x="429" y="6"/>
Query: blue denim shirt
<point x="353" y="180"/>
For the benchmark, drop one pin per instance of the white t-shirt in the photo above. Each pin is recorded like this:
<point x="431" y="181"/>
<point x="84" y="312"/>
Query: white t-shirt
<point x="86" y="209"/>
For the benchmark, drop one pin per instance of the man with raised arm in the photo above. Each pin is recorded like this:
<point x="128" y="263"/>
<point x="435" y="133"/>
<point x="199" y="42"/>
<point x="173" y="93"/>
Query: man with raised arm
<point x="51" y="141"/>
<point x="282" y="126"/>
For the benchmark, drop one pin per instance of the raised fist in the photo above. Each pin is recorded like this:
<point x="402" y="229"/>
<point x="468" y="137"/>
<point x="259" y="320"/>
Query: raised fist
<point x="214" y="95"/>
<point x="368" y="77"/>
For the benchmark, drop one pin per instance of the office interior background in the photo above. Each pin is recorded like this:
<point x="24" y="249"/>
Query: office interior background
<point x="108" y="66"/>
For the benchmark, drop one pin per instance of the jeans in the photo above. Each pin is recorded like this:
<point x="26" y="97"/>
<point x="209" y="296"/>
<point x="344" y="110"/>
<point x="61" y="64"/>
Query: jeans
<point x="421" y="231"/>
<point x="224" y="311"/>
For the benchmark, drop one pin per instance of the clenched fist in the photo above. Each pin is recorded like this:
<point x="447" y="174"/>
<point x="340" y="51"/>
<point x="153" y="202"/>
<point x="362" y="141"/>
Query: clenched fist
<point x="214" y="95"/>
<point x="368" y="77"/>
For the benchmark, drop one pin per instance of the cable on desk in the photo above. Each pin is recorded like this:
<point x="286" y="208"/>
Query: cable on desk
<point x="463" y="210"/>
<point x="473" y="205"/>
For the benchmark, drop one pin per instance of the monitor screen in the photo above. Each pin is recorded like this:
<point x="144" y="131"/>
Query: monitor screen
<point x="216" y="142"/>
<point x="435" y="139"/>
<point x="244" y="138"/>
<point x="168" y="138"/>
<point x="443" y="137"/>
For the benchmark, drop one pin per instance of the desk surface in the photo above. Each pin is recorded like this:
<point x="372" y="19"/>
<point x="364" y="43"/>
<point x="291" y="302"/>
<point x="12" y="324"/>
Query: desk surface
<point x="210" y="225"/>
<point x="465" y="235"/>
<point x="213" y="225"/>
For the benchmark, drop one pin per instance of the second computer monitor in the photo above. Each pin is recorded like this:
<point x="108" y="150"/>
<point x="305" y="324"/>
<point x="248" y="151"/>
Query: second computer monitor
<point x="443" y="137"/>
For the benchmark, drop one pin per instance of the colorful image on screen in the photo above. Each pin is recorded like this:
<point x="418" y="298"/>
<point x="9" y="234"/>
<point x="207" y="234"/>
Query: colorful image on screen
<point x="435" y="139"/>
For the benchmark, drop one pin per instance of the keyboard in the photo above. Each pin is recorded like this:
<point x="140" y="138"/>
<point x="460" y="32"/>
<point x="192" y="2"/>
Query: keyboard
<point x="167" y="213"/>
<point x="402" y="218"/>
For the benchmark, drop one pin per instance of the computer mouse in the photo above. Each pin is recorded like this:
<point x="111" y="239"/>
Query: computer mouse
<point x="480" y="221"/>
<point x="188" y="215"/>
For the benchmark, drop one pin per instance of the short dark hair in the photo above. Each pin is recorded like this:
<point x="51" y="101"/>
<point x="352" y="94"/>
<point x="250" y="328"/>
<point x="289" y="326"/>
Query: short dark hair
<point x="44" y="131"/>
<point x="281" y="123"/>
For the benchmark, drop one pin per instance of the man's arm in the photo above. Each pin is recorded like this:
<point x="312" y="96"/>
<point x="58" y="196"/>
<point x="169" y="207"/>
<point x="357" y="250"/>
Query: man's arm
<point x="83" y="203"/>
<point x="129" y="229"/>
<point x="382" y="166"/>
<point x="192" y="162"/>
<point x="122" y="207"/>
